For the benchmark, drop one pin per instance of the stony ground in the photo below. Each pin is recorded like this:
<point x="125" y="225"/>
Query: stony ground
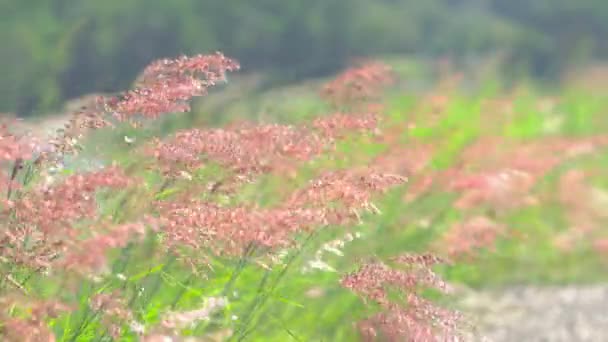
<point x="40" y="128"/>
<point x="569" y="313"/>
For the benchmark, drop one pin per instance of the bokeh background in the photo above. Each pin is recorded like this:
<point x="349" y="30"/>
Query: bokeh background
<point x="54" y="50"/>
<point x="508" y="92"/>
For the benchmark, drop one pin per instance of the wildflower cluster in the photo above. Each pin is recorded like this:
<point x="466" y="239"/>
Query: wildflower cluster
<point x="66" y="229"/>
<point x="358" y="84"/>
<point x="34" y="327"/>
<point x="167" y="85"/>
<point x="52" y="225"/>
<point x="413" y="318"/>
<point x="584" y="210"/>
<point x="248" y="150"/>
<point x="231" y="230"/>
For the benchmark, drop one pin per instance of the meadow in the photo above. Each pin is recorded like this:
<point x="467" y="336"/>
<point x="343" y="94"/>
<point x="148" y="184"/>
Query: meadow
<point x="352" y="208"/>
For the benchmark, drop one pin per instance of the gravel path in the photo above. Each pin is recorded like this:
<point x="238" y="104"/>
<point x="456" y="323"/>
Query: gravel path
<point x="569" y="313"/>
<point x="40" y="128"/>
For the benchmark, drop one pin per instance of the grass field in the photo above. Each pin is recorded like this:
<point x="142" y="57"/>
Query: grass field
<point x="508" y="184"/>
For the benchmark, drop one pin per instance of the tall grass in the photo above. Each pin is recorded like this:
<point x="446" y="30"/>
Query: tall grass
<point x="339" y="227"/>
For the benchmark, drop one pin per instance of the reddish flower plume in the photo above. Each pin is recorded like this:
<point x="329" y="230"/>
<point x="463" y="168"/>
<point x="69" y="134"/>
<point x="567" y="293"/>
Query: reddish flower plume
<point x="352" y="188"/>
<point x="54" y="208"/>
<point x="334" y="126"/>
<point x="411" y="319"/>
<point x="253" y="149"/>
<point x="500" y="190"/>
<point x="89" y="256"/>
<point x="466" y="238"/>
<point x="34" y="327"/>
<point x="167" y="85"/>
<point x="229" y="230"/>
<point x="359" y="83"/>
<point x="246" y="150"/>
<point x="46" y="217"/>
<point x="200" y="225"/>
<point x="13" y="147"/>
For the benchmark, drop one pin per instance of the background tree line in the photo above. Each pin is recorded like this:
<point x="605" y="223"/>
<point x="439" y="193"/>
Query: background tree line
<point x="54" y="50"/>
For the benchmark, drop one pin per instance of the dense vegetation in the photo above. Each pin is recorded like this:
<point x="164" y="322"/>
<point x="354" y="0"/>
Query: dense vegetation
<point x="56" y="50"/>
<point x="276" y="230"/>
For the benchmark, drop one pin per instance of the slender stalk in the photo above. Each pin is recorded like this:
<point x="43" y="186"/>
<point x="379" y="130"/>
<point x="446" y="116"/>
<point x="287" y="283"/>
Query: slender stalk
<point x="263" y="296"/>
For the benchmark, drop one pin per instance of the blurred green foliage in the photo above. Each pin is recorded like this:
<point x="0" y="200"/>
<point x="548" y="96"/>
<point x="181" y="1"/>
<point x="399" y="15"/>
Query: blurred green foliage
<point x="54" y="50"/>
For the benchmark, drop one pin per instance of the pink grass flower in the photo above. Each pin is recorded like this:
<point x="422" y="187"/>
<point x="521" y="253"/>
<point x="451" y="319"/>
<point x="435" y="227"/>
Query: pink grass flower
<point x="167" y="85"/>
<point x="413" y="318"/>
<point x="361" y="82"/>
